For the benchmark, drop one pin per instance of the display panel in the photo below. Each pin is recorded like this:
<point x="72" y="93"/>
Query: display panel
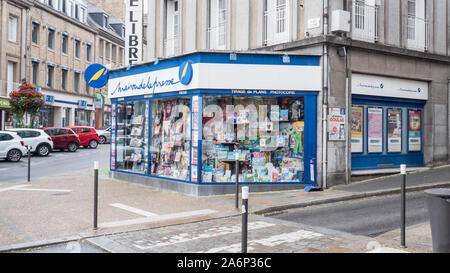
<point x="357" y="125"/>
<point x="170" y="138"/>
<point x="263" y="135"/>
<point x="132" y="137"/>
<point x="414" y="130"/>
<point x="374" y="130"/>
<point x="394" y="137"/>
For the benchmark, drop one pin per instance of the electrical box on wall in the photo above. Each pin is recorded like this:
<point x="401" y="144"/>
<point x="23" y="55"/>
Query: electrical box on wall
<point x="340" y="21"/>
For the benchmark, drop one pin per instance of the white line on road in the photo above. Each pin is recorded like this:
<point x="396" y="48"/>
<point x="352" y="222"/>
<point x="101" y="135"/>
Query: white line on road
<point x="133" y="210"/>
<point x="56" y="190"/>
<point x="14" y="188"/>
<point x="157" y="218"/>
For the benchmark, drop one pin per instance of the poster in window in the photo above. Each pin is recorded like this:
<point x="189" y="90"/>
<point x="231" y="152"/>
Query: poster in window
<point x="336" y="124"/>
<point x="394" y="130"/>
<point x="356" y="123"/>
<point x="375" y="130"/>
<point x="415" y="131"/>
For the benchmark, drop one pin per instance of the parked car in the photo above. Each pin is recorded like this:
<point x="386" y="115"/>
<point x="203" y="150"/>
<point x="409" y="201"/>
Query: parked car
<point x="41" y="143"/>
<point x="12" y="146"/>
<point x="104" y="135"/>
<point x="63" y="138"/>
<point x="88" y="136"/>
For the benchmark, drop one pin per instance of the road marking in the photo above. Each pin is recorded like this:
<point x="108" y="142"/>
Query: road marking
<point x="271" y="241"/>
<point x="55" y="190"/>
<point x="206" y="234"/>
<point x="133" y="210"/>
<point x="13" y="188"/>
<point x="158" y="218"/>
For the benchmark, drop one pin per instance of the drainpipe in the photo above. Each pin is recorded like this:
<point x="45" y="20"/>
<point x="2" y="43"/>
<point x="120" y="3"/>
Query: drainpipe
<point x="26" y="44"/>
<point x="448" y="115"/>
<point x="325" y="97"/>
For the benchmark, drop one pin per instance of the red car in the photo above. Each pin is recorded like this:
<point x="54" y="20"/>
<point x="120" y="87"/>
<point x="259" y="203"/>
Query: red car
<point x="63" y="138"/>
<point x="88" y="136"/>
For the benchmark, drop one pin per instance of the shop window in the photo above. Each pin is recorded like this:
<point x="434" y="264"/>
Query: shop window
<point x="264" y="135"/>
<point x="132" y="136"/>
<point x="82" y="117"/>
<point x="171" y="131"/>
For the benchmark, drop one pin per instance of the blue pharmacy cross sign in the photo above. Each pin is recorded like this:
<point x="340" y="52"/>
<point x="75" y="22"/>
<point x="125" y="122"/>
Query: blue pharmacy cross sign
<point x="185" y="73"/>
<point x="96" y="75"/>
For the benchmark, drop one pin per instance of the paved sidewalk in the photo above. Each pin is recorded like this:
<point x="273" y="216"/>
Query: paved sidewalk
<point x="60" y="208"/>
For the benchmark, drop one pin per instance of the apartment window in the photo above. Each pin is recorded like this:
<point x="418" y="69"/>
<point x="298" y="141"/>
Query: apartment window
<point x="12" y="32"/>
<point x="64" y="6"/>
<point x="88" y="52"/>
<point x="281" y="16"/>
<point x="77" y="14"/>
<point x="35" y="73"/>
<point x="51" y="38"/>
<point x="108" y="50"/>
<point x="70" y="8"/>
<point x="105" y="21"/>
<point x="218" y="24"/>
<point x="172" y="40"/>
<point x="64" y="79"/>
<point x="82" y="15"/>
<point x="35" y="32"/>
<point x="114" y="53"/>
<point x="76" y="82"/>
<point x="365" y="20"/>
<point x="121" y="56"/>
<point x="417" y="25"/>
<point x="88" y="89"/>
<point x="77" y="48"/>
<point x="64" y="46"/>
<point x="50" y="75"/>
<point x="276" y="22"/>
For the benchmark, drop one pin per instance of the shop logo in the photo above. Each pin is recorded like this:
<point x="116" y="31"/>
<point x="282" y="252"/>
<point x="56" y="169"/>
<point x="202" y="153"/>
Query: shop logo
<point x="96" y="75"/>
<point x="185" y="73"/>
<point x="381" y="86"/>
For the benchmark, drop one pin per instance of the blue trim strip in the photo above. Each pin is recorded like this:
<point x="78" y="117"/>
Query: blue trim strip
<point x="222" y="58"/>
<point x="387" y="101"/>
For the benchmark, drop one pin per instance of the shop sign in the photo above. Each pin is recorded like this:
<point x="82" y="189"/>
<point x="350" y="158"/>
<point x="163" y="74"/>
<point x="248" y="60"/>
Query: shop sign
<point x="389" y="87"/>
<point x="49" y="99"/>
<point x="133" y="31"/>
<point x="98" y="103"/>
<point x="4" y="103"/>
<point x="82" y="103"/>
<point x="96" y="75"/>
<point x="336" y="124"/>
<point x="107" y="109"/>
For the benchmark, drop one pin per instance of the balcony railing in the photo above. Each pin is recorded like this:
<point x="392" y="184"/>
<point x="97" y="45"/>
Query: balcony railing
<point x="417" y="33"/>
<point x="277" y="25"/>
<point x="364" y="22"/>
<point x="172" y="46"/>
<point x="218" y="34"/>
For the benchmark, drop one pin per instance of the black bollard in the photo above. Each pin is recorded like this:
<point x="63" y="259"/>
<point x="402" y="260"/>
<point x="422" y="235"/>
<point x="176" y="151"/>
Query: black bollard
<point x="244" y="219"/>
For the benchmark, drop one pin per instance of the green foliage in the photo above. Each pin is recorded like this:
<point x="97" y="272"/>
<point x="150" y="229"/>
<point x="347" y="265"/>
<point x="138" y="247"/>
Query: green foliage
<point x="26" y="100"/>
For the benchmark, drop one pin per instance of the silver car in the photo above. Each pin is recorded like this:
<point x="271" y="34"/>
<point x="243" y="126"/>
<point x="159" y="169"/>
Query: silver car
<point x="104" y="135"/>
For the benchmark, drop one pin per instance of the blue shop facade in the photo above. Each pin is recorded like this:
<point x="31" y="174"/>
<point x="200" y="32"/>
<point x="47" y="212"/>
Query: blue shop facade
<point x="199" y="123"/>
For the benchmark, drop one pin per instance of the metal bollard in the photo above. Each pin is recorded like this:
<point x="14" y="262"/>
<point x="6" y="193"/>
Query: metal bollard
<point x="244" y="219"/>
<point x="95" y="193"/>
<point x="403" y="206"/>
<point x="29" y="162"/>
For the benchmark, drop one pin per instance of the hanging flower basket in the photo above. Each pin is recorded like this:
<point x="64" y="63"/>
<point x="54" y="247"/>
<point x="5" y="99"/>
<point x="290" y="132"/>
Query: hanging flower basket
<point x="26" y="100"/>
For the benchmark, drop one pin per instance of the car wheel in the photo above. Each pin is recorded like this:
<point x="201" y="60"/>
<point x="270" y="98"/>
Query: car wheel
<point x="14" y="155"/>
<point x="93" y="144"/>
<point x="72" y="147"/>
<point x="43" y="150"/>
<point x="102" y="140"/>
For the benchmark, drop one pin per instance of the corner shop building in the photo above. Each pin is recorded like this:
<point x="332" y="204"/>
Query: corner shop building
<point x="196" y="123"/>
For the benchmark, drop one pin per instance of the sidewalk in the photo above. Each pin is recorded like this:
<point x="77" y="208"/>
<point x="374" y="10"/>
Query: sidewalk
<point x="60" y="208"/>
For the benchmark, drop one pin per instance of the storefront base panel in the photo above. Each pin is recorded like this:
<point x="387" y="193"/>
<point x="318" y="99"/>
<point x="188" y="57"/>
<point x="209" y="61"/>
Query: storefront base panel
<point x="200" y="190"/>
<point x="368" y="162"/>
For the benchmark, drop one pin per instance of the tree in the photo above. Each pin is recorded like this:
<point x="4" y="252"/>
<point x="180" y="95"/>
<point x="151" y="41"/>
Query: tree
<point x="26" y="100"/>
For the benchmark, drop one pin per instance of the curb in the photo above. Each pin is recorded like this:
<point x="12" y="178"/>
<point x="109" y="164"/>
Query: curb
<point x="42" y="243"/>
<point x="353" y="196"/>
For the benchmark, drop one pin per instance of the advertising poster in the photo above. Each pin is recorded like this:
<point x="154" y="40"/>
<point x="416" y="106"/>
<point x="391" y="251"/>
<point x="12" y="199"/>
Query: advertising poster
<point x="194" y="156"/>
<point x="356" y="123"/>
<point x="336" y="124"/>
<point x="375" y="130"/>
<point x="394" y="130"/>
<point x="415" y="131"/>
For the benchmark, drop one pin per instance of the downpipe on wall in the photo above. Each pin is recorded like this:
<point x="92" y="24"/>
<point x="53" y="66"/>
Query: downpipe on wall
<point x="325" y="97"/>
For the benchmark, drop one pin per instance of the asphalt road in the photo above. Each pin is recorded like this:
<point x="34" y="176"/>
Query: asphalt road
<point x="71" y="247"/>
<point x="369" y="217"/>
<point x="56" y="163"/>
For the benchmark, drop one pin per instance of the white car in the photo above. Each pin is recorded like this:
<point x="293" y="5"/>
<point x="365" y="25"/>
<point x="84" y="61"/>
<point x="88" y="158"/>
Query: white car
<point x="12" y="147"/>
<point x="41" y="143"/>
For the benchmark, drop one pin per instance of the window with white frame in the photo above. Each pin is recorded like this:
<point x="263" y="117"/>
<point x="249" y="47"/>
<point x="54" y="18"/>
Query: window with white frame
<point x="218" y="24"/>
<point x="364" y="20"/>
<point x="276" y="22"/>
<point x="12" y="28"/>
<point x="77" y="48"/>
<point x="172" y="39"/>
<point x="417" y="25"/>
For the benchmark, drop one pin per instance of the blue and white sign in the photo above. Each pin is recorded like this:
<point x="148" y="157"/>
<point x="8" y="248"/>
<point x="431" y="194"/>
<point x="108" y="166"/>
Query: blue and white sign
<point x="49" y="99"/>
<point x="370" y="85"/>
<point x="185" y="73"/>
<point x="96" y="75"/>
<point x="82" y="103"/>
